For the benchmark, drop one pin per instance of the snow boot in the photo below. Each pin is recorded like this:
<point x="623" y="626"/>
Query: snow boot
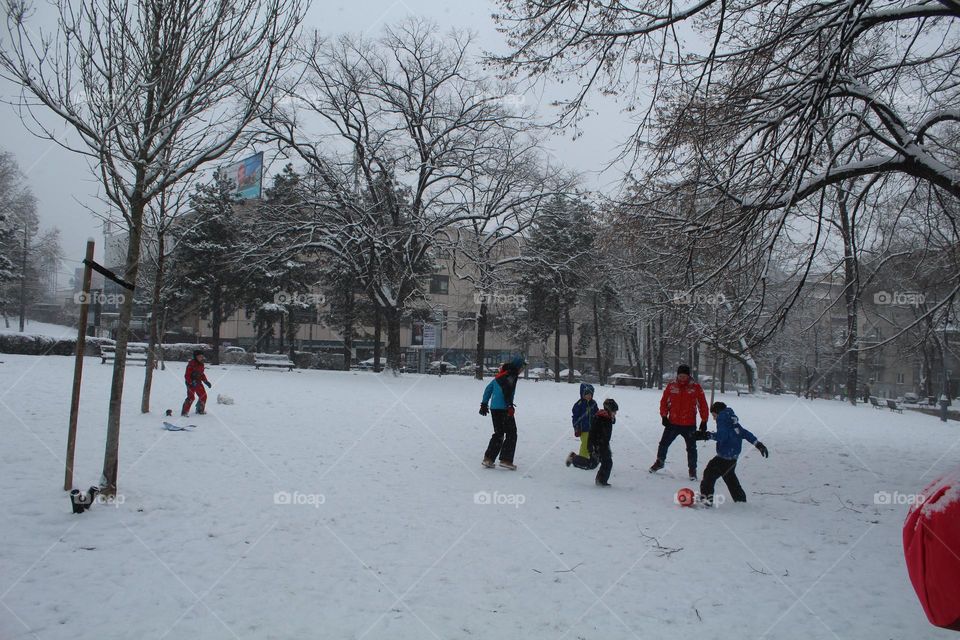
<point x="508" y="465"/>
<point x="488" y="463"/>
<point x="201" y="409"/>
<point x="693" y="474"/>
<point x="601" y="483"/>
<point x="569" y="460"/>
<point x="656" y="466"/>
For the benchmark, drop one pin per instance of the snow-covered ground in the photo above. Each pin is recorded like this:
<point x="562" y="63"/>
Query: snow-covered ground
<point x="353" y="505"/>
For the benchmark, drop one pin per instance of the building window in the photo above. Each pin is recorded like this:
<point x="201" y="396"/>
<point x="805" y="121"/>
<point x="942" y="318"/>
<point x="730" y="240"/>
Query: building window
<point x="900" y="378"/>
<point x="440" y="285"/>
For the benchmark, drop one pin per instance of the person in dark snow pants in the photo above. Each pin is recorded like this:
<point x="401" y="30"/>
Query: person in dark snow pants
<point x="681" y="401"/>
<point x="498" y="402"/>
<point x="601" y="430"/>
<point x="582" y="414"/>
<point x="729" y="436"/>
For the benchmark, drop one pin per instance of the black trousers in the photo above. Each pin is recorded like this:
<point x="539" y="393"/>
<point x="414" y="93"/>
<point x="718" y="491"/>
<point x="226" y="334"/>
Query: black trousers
<point x="503" y="442"/>
<point x="602" y="458"/>
<point x="670" y="434"/>
<point x="726" y="469"/>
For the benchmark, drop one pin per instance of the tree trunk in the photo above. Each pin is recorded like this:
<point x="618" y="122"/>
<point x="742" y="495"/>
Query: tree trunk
<point x="660" y="354"/>
<point x="596" y="339"/>
<point x="393" y="339"/>
<point x="377" y="330"/>
<point x="163" y="332"/>
<point x="111" y="456"/>
<point x="282" y="333"/>
<point x="570" y="354"/>
<point x="556" y="347"/>
<point x="723" y="374"/>
<point x="481" y="339"/>
<point x="851" y="297"/>
<point x="215" y="319"/>
<point x="349" y="308"/>
<point x="23" y="277"/>
<point x="154" y="329"/>
<point x="292" y="328"/>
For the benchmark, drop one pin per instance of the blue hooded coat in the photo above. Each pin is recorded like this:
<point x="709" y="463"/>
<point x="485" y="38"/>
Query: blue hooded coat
<point x="730" y="435"/>
<point x="584" y="411"/>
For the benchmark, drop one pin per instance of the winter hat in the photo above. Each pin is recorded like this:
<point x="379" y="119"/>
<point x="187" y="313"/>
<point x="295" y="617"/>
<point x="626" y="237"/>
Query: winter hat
<point x="197" y="352"/>
<point x="684" y="368"/>
<point x="585" y="389"/>
<point x="717" y="407"/>
<point x="611" y="405"/>
<point x="517" y="363"/>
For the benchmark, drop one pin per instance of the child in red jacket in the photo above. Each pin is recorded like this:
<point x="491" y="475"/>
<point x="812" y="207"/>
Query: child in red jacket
<point x="195" y="379"/>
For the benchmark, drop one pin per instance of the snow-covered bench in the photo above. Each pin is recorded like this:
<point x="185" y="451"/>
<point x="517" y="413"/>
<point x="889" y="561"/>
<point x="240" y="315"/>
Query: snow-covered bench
<point x="875" y="403"/>
<point x="135" y="353"/>
<point x="893" y="405"/>
<point x="272" y="360"/>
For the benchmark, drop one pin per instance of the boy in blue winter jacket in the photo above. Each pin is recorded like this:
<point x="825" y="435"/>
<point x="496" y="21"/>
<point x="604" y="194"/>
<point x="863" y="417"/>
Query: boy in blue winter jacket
<point x="729" y="436"/>
<point x="498" y="402"/>
<point x="583" y="411"/>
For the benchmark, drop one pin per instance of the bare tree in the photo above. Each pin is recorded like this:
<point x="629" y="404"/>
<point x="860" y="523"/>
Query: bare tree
<point x="506" y="190"/>
<point x="404" y="116"/>
<point x="782" y="101"/>
<point x="153" y="89"/>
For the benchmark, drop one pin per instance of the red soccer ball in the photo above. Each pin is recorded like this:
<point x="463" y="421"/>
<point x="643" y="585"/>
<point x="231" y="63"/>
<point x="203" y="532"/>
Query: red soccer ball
<point x="685" y="497"/>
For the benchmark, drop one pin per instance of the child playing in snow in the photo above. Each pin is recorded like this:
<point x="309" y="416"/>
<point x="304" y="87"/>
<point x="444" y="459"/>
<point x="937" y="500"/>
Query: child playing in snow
<point x="730" y="435"/>
<point x="583" y="411"/>
<point x="195" y="379"/>
<point x="498" y="402"/>
<point x="601" y="429"/>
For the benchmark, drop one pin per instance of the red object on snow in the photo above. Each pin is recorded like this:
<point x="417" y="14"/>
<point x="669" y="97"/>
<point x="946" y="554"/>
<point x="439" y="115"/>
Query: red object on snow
<point x="931" y="547"/>
<point x="685" y="497"/>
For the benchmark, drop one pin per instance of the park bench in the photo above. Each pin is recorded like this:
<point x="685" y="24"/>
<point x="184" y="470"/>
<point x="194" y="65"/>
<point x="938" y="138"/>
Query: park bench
<point x="272" y="360"/>
<point x="893" y="405"/>
<point x="135" y="353"/>
<point x="875" y="403"/>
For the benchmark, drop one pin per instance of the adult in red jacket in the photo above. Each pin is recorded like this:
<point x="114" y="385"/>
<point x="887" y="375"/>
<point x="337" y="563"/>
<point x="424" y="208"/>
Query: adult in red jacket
<point x="195" y="379"/>
<point x="678" y="413"/>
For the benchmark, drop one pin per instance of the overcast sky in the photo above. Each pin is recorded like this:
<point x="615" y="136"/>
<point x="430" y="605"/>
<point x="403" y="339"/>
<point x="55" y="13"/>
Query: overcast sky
<point x="65" y="186"/>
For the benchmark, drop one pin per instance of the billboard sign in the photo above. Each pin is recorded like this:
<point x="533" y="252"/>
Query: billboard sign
<point x="247" y="176"/>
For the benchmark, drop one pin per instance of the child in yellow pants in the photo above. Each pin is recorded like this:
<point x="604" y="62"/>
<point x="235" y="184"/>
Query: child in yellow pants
<point x="583" y="411"/>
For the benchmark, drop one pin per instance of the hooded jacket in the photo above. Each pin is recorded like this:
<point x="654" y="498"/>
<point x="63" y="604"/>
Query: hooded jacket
<point x="583" y="411"/>
<point x="730" y="435"/>
<point x="500" y="391"/>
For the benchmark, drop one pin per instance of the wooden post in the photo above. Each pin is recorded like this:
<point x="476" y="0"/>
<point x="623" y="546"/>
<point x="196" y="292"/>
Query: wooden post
<point x="78" y="368"/>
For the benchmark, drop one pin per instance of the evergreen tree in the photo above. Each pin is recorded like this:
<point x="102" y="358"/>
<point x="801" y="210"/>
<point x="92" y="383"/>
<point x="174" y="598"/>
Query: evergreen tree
<point x="206" y="273"/>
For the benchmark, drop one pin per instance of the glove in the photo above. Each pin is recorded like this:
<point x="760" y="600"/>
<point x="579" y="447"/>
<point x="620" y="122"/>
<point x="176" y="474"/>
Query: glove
<point x="510" y="411"/>
<point x="762" y="449"/>
<point x="209" y="386"/>
<point x="703" y="425"/>
<point x="701" y="435"/>
<point x="664" y="421"/>
<point x="576" y="433"/>
<point x="484" y="409"/>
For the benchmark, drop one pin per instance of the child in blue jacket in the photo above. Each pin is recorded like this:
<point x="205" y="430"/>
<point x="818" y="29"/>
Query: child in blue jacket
<point x="583" y="411"/>
<point x="729" y="436"/>
<point x="498" y="402"/>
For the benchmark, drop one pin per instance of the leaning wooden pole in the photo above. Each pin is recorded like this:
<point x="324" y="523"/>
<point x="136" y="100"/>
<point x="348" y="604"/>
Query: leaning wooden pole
<point x="78" y="368"/>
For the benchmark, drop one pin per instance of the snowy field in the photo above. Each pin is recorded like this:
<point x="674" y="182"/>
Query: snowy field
<point x="353" y="505"/>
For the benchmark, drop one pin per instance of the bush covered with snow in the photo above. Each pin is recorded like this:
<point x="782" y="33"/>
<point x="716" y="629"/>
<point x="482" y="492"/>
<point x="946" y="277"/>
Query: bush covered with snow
<point x="39" y="345"/>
